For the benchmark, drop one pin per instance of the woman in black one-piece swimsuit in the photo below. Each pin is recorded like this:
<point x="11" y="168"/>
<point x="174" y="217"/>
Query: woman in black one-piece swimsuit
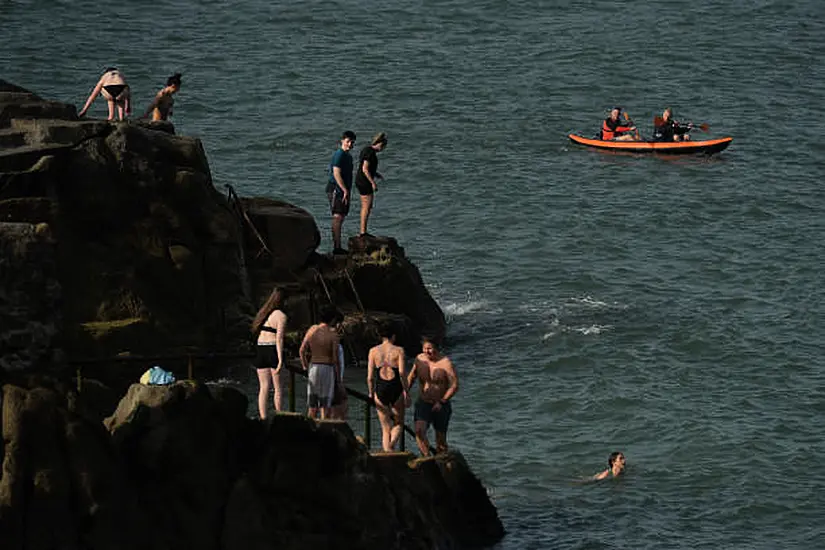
<point x="388" y="388"/>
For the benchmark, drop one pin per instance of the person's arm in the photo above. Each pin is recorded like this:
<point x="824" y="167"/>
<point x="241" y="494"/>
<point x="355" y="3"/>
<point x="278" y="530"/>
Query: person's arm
<point x="304" y="351"/>
<point x="370" y="372"/>
<point x="602" y="475"/>
<point x="92" y="97"/>
<point x="336" y="174"/>
<point x="625" y="128"/>
<point x="279" y="323"/>
<point x="453" y="378"/>
<point x="413" y="373"/>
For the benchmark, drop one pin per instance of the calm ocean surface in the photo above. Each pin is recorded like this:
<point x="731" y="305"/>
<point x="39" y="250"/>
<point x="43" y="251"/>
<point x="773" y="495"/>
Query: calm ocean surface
<point x="671" y="309"/>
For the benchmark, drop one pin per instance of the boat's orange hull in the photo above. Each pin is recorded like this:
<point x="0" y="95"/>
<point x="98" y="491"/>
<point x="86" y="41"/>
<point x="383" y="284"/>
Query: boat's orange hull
<point x="705" y="146"/>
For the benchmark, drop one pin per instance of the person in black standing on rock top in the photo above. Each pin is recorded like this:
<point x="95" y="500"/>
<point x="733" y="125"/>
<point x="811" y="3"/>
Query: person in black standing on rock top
<point x="339" y="187"/>
<point x="366" y="175"/>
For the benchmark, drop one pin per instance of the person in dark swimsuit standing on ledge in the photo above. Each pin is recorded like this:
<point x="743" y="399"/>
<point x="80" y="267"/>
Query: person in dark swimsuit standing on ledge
<point x="389" y="389"/>
<point x="270" y="326"/>
<point x="438" y="383"/>
<point x="112" y="85"/>
<point x="615" y="466"/>
<point x="366" y="176"/>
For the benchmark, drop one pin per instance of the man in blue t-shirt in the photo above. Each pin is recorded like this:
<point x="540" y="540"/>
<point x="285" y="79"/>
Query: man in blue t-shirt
<point x="339" y="186"/>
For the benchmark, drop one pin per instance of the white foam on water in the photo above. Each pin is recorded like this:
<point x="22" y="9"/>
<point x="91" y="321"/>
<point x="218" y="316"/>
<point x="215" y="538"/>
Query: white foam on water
<point x="458" y="309"/>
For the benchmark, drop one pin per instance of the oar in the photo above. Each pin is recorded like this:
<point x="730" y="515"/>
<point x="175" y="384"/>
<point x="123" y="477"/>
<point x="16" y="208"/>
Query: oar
<point x="630" y="121"/>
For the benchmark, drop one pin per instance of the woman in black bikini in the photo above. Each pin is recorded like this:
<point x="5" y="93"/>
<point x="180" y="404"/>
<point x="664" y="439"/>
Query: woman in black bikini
<point x="112" y="85"/>
<point x="389" y="388"/>
<point x="270" y="325"/>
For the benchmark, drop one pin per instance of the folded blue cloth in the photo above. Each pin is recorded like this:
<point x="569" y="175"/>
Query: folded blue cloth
<point x="156" y="376"/>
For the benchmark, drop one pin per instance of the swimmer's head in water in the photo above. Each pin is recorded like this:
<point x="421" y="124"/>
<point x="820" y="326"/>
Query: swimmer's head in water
<point x="616" y="458"/>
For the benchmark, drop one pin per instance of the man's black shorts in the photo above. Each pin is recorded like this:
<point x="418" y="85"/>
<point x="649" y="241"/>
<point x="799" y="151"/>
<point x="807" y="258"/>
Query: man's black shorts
<point x="337" y="204"/>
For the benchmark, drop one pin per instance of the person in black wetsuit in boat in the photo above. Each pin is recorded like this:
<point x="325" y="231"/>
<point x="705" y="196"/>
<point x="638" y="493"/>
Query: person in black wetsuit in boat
<point x="389" y="387"/>
<point x="270" y="326"/>
<point x="112" y="85"/>
<point x="615" y="466"/>
<point x="667" y="129"/>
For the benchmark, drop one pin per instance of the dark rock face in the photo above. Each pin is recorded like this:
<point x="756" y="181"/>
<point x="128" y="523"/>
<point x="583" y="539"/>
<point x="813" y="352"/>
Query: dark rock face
<point x="30" y="313"/>
<point x="150" y="259"/>
<point x="147" y="252"/>
<point x="181" y="467"/>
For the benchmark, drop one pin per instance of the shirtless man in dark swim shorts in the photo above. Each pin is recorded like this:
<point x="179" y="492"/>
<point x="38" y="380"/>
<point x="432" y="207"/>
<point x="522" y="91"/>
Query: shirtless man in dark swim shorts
<point x="438" y="384"/>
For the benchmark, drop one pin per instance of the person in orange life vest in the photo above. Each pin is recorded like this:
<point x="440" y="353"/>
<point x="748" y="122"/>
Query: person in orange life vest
<point x="612" y="130"/>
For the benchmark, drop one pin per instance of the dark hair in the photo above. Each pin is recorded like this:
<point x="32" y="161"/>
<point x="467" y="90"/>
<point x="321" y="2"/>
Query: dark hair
<point x="348" y="134"/>
<point x="429" y="339"/>
<point x="275" y="301"/>
<point x="329" y="314"/>
<point x="386" y="330"/>
<point x="612" y="458"/>
<point x="109" y="69"/>
<point x="173" y="80"/>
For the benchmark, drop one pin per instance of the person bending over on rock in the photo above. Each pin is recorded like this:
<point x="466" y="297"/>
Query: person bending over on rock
<point x="112" y="85"/>
<point x="270" y="326"/>
<point x="438" y="383"/>
<point x="389" y="388"/>
<point x="161" y="107"/>
<point x="366" y="176"/>
<point x="613" y="130"/>
<point x="339" y="187"/>
<point x="615" y="466"/>
<point x="319" y="356"/>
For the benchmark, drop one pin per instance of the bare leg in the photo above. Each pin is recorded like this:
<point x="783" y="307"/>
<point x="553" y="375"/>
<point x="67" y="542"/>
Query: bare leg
<point x="386" y="425"/>
<point x="421" y="437"/>
<point x="120" y="111"/>
<point x="366" y="208"/>
<point x="276" y="384"/>
<point x="398" y="423"/>
<point x="111" y="103"/>
<point x="263" y="391"/>
<point x="337" y="222"/>
<point x="440" y="442"/>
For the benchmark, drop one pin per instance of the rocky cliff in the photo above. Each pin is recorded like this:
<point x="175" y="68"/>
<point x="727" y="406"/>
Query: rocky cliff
<point x="115" y="241"/>
<point x="182" y="467"/>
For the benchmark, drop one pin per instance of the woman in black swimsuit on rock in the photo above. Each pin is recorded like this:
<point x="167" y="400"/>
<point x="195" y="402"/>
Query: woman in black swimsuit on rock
<point x="389" y="388"/>
<point x="269" y="326"/>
